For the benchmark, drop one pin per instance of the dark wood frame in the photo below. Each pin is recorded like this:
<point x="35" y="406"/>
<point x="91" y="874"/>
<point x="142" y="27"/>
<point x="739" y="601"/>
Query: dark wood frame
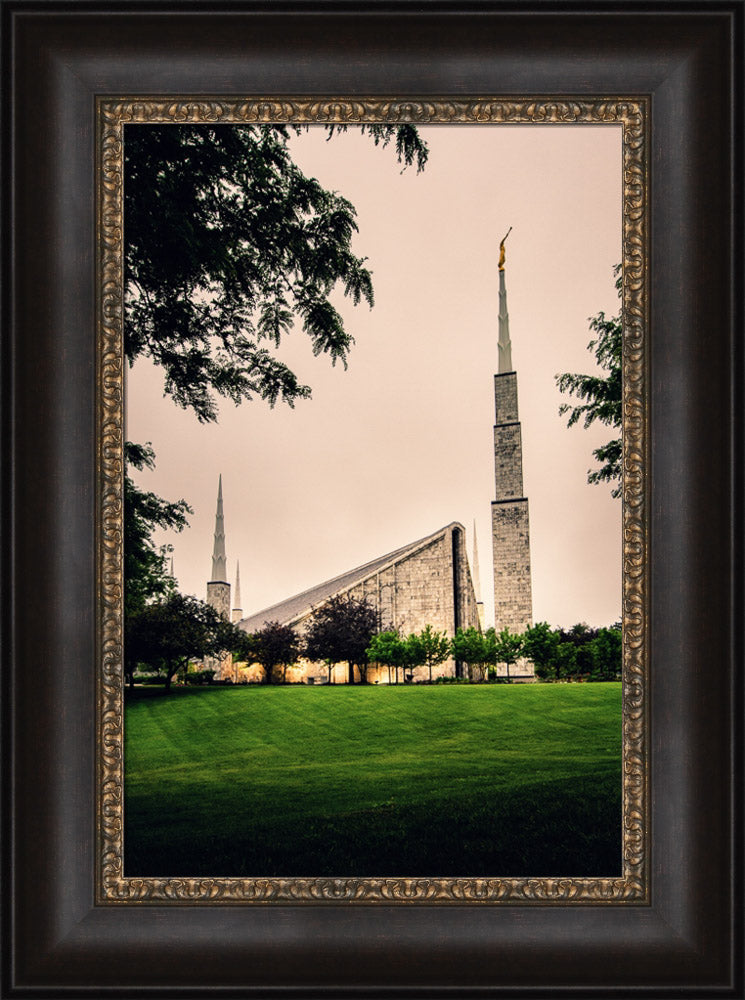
<point x="689" y="939"/>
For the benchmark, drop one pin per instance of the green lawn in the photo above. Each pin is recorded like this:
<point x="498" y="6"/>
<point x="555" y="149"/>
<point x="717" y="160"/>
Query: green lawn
<point x="508" y="780"/>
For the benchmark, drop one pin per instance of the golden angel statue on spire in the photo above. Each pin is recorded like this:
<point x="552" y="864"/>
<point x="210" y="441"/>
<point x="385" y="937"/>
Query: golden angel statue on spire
<point x="501" y="249"/>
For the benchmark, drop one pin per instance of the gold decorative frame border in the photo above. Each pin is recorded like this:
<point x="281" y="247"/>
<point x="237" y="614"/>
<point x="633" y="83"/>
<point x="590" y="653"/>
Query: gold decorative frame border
<point x="112" y="885"/>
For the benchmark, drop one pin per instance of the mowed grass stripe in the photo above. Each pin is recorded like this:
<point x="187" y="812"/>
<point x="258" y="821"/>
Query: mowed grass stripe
<point x="326" y="781"/>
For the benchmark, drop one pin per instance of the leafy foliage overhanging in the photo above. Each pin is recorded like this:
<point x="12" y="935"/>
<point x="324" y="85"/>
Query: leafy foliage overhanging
<point x="602" y="395"/>
<point x="228" y="245"/>
<point x="145" y="571"/>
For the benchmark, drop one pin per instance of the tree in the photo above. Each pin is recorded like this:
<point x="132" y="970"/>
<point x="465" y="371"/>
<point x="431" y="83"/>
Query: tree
<point x="275" y="645"/>
<point x="566" y="660"/>
<point x="607" y="649"/>
<point x="539" y="646"/>
<point x="414" y="654"/>
<point x="245" y="647"/>
<point x="341" y="630"/>
<point x="602" y="395"/>
<point x="507" y="648"/>
<point x="436" y="647"/>
<point x="386" y="649"/>
<point x="167" y="634"/>
<point x="228" y="244"/>
<point x="469" y="646"/>
<point x="579" y="652"/>
<point x="145" y="566"/>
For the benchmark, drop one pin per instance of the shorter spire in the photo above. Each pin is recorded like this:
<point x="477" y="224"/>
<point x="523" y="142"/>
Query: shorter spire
<point x="237" y="601"/>
<point x="475" y="567"/>
<point x="237" y="610"/>
<point x="219" y="560"/>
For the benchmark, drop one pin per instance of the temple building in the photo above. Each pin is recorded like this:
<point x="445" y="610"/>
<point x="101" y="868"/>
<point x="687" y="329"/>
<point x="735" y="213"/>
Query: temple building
<point x="428" y="581"/>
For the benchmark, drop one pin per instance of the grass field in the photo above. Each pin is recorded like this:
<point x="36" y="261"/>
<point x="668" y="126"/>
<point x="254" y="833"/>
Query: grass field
<point x="509" y="780"/>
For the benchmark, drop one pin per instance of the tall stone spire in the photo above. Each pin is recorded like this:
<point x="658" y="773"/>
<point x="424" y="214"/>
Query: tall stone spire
<point x="513" y="602"/>
<point x="504" y="344"/>
<point x="237" y="612"/>
<point x="219" y="561"/>
<point x="218" y="591"/>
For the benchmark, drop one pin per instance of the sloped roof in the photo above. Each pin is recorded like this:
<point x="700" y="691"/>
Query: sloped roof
<point x="294" y="608"/>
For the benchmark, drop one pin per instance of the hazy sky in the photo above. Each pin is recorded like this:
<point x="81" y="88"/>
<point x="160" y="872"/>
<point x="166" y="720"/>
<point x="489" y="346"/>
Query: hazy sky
<point x="401" y="443"/>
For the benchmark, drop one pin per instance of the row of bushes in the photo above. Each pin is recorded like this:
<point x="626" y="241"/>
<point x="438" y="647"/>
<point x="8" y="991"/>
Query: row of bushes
<point x="580" y="653"/>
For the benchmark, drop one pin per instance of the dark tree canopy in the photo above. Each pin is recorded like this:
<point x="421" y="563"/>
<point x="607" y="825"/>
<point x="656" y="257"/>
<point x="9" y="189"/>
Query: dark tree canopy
<point x="340" y="631"/>
<point x="145" y="570"/>
<point x="577" y="653"/>
<point x="275" y="645"/>
<point x="228" y="245"/>
<point x="539" y="646"/>
<point x="167" y="634"/>
<point x="601" y="395"/>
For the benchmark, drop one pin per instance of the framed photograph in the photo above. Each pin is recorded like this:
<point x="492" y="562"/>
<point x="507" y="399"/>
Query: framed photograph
<point x="559" y="145"/>
<point x="414" y="424"/>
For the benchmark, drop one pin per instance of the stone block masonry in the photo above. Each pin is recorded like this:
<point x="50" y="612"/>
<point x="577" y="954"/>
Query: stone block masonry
<point x="513" y="597"/>
<point x="513" y="600"/>
<point x="508" y="461"/>
<point x="505" y="398"/>
<point x="218" y="596"/>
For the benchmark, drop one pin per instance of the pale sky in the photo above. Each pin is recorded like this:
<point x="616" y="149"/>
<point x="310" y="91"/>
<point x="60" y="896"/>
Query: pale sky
<point x="401" y="443"/>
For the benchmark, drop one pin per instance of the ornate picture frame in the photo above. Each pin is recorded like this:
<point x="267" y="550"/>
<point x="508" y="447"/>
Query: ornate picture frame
<point x="682" y="551"/>
<point x="116" y="885"/>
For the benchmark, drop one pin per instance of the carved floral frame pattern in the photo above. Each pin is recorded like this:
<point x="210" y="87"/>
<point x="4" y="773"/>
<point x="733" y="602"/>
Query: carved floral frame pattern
<point x="113" y="886"/>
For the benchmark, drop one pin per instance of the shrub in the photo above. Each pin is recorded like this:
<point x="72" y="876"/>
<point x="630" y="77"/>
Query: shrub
<point x="200" y="677"/>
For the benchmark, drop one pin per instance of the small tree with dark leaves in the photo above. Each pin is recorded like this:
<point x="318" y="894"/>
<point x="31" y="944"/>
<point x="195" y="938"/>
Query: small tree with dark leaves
<point x="340" y="630"/>
<point x="539" y="646"/>
<point x="167" y="634"/>
<point x="436" y="647"/>
<point x="507" y="648"/>
<point x="275" y="645"/>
